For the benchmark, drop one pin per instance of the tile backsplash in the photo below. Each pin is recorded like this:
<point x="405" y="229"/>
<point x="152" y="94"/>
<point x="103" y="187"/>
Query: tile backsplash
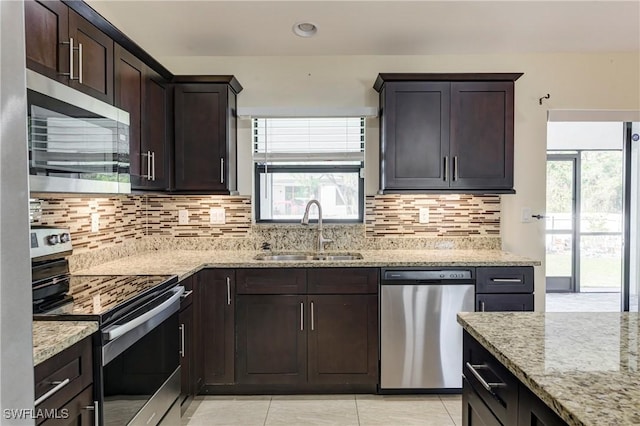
<point x="151" y="221"/>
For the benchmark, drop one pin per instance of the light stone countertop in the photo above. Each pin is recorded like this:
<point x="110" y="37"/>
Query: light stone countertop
<point x="52" y="337"/>
<point x="185" y="262"/>
<point x="585" y="366"/>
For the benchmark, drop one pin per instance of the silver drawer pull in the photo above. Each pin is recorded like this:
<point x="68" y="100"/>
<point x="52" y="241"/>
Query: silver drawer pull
<point x="96" y="413"/>
<point x="483" y="382"/>
<point x="186" y="294"/>
<point x="59" y="385"/>
<point x="506" y="280"/>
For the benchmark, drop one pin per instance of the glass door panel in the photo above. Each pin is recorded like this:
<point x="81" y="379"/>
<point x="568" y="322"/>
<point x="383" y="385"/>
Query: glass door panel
<point x="632" y="221"/>
<point x="560" y="214"/>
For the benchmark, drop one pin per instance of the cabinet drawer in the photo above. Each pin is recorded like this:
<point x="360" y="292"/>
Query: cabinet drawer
<point x="504" y="302"/>
<point x="504" y="279"/>
<point x="75" y="364"/>
<point x="80" y="411"/>
<point x="342" y="281"/>
<point x="271" y="281"/>
<point x="478" y="365"/>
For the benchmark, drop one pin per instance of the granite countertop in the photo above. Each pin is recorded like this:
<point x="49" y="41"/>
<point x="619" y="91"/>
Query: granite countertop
<point x="585" y="366"/>
<point x="186" y="262"/>
<point x="52" y="337"/>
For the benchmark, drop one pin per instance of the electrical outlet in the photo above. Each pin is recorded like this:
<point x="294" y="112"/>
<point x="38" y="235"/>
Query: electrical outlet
<point x="217" y="216"/>
<point x="95" y="222"/>
<point x="526" y="215"/>
<point x="183" y="217"/>
<point x="424" y="215"/>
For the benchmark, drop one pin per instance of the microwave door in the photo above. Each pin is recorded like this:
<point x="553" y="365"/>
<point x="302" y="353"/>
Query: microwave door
<point x="74" y="150"/>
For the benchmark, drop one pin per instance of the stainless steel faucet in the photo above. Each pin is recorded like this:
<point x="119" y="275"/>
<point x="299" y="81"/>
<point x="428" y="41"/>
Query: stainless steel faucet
<point x="305" y="221"/>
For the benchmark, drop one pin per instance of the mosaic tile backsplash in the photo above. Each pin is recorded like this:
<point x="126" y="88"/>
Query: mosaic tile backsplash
<point x="132" y="222"/>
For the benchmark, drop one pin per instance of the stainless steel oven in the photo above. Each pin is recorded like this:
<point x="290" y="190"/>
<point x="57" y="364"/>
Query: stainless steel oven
<point x="141" y="365"/>
<point x="76" y="143"/>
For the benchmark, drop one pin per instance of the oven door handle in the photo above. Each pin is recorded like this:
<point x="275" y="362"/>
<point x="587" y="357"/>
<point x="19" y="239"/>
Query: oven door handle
<point x="116" y="332"/>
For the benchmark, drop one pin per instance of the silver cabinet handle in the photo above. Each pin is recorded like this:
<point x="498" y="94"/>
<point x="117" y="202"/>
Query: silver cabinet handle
<point x="182" y="351"/>
<point x="58" y="386"/>
<point x="80" y="63"/>
<point x="186" y="294"/>
<point x="228" y="291"/>
<point x="312" y="319"/>
<point x="455" y="167"/>
<point x="222" y="170"/>
<point x="506" y="280"/>
<point x="96" y="413"/>
<point x="153" y="165"/>
<point x="71" y="49"/>
<point x="301" y="316"/>
<point x="446" y="168"/>
<point x="148" y="165"/>
<point x="482" y="306"/>
<point x="483" y="382"/>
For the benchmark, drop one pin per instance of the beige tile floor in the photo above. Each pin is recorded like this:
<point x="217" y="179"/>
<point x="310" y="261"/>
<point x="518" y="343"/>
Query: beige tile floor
<point x="387" y="410"/>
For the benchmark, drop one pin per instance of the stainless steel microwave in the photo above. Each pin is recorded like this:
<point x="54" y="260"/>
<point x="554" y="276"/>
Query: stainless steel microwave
<point x="76" y="143"/>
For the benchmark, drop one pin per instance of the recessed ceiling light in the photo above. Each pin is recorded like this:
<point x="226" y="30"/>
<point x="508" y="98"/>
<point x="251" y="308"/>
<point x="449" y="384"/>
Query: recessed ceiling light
<point x="305" y="29"/>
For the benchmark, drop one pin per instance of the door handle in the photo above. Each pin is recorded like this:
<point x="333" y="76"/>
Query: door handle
<point x="455" y="168"/>
<point x="153" y="165"/>
<point x="301" y="316"/>
<point x="228" y="291"/>
<point x="148" y="165"/>
<point x="312" y="319"/>
<point x="446" y="168"/>
<point x="80" y="73"/>
<point x="182" y="345"/>
<point x="96" y="413"/>
<point x="71" y="50"/>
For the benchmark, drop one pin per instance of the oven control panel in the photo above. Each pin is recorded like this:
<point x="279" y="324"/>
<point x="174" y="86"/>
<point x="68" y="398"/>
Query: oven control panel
<point x="47" y="242"/>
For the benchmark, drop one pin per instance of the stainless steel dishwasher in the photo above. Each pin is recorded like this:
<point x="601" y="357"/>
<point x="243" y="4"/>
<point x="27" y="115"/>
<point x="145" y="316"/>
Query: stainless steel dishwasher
<point x="420" y="339"/>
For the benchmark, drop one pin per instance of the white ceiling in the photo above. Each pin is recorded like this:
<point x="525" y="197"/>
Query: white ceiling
<point x="392" y="27"/>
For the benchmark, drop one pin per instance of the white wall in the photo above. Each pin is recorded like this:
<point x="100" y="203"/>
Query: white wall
<point x="16" y="347"/>
<point x="574" y="81"/>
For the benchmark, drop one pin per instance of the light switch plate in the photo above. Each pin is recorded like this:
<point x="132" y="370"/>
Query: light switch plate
<point x="424" y="215"/>
<point x="526" y="215"/>
<point x="183" y="217"/>
<point x="217" y="216"/>
<point x="95" y="222"/>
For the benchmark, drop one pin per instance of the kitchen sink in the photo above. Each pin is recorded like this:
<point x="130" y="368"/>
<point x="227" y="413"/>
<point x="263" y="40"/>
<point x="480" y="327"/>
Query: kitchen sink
<point x="307" y="256"/>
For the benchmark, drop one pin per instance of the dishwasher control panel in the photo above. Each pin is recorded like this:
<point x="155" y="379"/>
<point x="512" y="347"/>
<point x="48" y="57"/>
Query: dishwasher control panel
<point x="420" y="275"/>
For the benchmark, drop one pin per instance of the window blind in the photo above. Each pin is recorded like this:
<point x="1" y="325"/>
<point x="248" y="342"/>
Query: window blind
<point x="308" y="139"/>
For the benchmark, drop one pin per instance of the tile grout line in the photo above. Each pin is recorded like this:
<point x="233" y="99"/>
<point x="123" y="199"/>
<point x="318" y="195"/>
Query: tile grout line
<point x="355" y="399"/>
<point x="447" y="410"/>
<point x="267" y="414"/>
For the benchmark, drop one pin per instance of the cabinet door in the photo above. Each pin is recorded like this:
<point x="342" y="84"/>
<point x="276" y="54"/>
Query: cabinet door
<point x="94" y="62"/>
<point x="272" y="339"/>
<point x="155" y="131"/>
<point x="504" y="302"/>
<point x="343" y="339"/>
<point x="185" y="319"/>
<point x="77" y="412"/>
<point x="474" y="410"/>
<point x="415" y="135"/>
<point x="46" y="29"/>
<point x="129" y="83"/>
<point x="217" y="297"/>
<point x="200" y="137"/>
<point x="481" y="142"/>
<point x="532" y="411"/>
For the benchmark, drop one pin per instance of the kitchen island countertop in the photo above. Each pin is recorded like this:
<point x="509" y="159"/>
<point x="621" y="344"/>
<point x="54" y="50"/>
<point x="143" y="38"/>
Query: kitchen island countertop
<point x="52" y="337"/>
<point x="585" y="366"/>
<point x="186" y="262"/>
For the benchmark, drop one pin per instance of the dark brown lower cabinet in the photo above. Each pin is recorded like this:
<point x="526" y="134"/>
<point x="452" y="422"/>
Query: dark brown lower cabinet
<point x="509" y="403"/>
<point x="342" y="339"/>
<point x="217" y="326"/>
<point x="474" y="410"/>
<point x="272" y="339"/>
<point x="187" y="387"/>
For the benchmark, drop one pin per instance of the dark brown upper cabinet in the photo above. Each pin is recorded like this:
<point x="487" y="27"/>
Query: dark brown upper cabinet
<point x="66" y="47"/>
<point x="205" y="134"/>
<point x="144" y="95"/>
<point x="446" y="132"/>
